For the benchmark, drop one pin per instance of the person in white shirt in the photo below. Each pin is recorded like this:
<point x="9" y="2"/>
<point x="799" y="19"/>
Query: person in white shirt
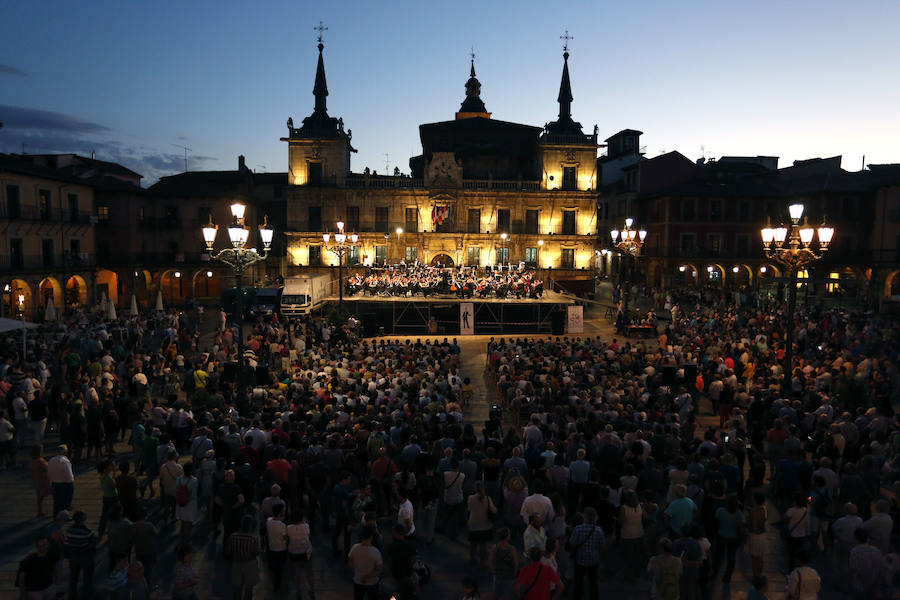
<point x="299" y="548"/>
<point x="405" y="515"/>
<point x="277" y="534"/>
<point x="537" y="504"/>
<point x="62" y="480"/>
<point x="804" y="582"/>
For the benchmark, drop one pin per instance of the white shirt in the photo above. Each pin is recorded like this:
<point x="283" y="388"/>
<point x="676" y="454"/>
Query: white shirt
<point x="537" y="504"/>
<point x="277" y="532"/>
<point x="60" y="470"/>
<point x="404" y="514"/>
<point x="298" y="538"/>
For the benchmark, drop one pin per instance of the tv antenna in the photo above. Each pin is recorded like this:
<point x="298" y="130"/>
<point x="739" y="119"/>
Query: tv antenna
<point x="387" y="163"/>
<point x="321" y="29"/>
<point x="186" y="150"/>
<point x="263" y="168"/>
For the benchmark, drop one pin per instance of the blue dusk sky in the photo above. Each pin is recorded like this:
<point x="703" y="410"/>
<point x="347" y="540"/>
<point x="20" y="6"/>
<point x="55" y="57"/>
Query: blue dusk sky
<point x="133" y="81"/>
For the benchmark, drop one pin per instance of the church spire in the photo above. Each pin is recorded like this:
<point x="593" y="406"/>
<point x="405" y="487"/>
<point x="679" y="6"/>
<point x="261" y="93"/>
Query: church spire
<point x="320" y="89"/>
<point x="565" y="87"/>
<point x="472" y="106"/>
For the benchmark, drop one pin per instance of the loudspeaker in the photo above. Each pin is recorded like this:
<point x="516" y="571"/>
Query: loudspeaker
<point x="558" y="323"/>
<point x="668" y="374"/>
<point x="229" y="373"/>
<point x="370" y="325"/>
<point x="690" y="374"/>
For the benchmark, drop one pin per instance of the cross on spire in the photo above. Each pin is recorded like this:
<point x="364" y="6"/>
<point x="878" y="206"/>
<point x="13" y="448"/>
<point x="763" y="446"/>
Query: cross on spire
<point x="321" y="28"/>
<point x="566" y="37"/>
<point x="472" y="53"/>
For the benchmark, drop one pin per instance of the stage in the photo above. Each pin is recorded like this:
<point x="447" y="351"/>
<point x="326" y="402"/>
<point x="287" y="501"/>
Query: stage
<point x="386" y="315"/>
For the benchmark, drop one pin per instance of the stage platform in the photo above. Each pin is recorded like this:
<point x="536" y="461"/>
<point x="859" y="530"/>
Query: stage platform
<point x="386" y="315"/>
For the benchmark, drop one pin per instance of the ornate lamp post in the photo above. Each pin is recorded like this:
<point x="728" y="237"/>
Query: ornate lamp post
<point x="340" y="248"/>
<point x="629" y="241"/>
<point x="792" y="246"/>
<point x="238" y="258"/>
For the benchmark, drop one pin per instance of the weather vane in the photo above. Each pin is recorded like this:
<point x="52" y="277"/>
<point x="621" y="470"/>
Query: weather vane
<point x="472" y="53"/>
<point x="322" y="28"/>
<point x="566" y="37"/>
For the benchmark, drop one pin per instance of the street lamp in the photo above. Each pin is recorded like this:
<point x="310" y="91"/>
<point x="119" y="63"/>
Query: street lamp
<point x="629" y="241"/>
<point x="238" y="258"/>
<point x="339" y="248"/>
<point x="792" y="246"/>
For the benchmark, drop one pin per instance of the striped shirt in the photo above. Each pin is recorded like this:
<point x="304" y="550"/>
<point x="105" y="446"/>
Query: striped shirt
<point x="243" y="546"/>
<point x="79" y="539"/>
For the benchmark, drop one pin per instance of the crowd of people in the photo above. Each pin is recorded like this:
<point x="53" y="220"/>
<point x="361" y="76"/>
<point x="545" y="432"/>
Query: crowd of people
<point x="591" y="465"/>
<point x="462" y="282"/>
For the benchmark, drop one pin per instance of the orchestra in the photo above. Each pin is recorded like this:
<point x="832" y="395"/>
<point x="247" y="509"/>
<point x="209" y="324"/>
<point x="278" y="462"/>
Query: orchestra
<point x="461" y="282"/>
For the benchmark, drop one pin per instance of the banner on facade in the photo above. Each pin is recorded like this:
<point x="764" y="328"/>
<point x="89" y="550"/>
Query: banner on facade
<point x="575" y="320"/>
<point x="439" y="214"/>
<point x="467" y="318"/>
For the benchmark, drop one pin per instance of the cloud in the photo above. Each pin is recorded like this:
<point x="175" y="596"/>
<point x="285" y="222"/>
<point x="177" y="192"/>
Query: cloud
<point x="12" y="71"/>
<point x="19" y="117"/>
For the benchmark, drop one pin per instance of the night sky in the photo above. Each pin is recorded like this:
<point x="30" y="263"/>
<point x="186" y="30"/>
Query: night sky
<point x="132" y="81"/>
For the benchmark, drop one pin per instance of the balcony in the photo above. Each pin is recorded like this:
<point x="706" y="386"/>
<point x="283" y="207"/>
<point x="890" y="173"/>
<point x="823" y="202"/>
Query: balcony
<point x="34" y="213"/>
<point x="502" y="185"/>
<point x="568" y="140"/>
<point x="40" y="262"/>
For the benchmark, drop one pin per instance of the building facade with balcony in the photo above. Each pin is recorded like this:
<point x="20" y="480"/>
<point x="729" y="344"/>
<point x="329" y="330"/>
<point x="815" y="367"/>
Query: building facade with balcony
<point x="46" y="237"/>
<point x="482" y="192"/>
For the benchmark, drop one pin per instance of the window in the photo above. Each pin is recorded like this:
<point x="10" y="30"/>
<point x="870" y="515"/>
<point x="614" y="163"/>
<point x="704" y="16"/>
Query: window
<point x="473" y="256"/>
<point x="203" y="215"/>
<point x="473" y="224"/>
<point x="412" y="220"/>
<point x="714" y="243"/>
<point x="743" y="245"/>
<point x="315" y="256"/>
<point x="47" y="252"/>
<point x="142" y="214"/>
<point x="568" y="222"/>
<point x="502" y="255"/>
<point x="503" y="220"/>
<point x="688" y="244"/>
<point x="353" y="255"/>
<point x="352" y="218"/>
<point x="44" y="204"/>
<point x="16" y="253"/>
<point x="314" y="215"/>
<point x="382" y="214"/>
<point x="744" y="209"/>
<point x="568" y="182"/>
<point x="73" y="207"/>
<point x="532" y="218"/>
<point x="75" y="248"/>
<point x="689" y="209"/>
<point x="103" y="213"/>
<point x="315" y="173"/>
<point x="412" y="254"/>
<point x="380" y="255"/>
<point x="103" y="253"/>
<point x="848" y="208"/>
<point x="13" y="203"/>
<point x="568" y="258"/>
<point x="531" y="257"/>
<point x="715" y="210"/>
<point x="171" y="218"/>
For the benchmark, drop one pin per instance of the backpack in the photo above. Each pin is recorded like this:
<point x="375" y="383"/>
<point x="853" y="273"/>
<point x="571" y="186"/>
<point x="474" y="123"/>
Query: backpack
<point x="182" y="495"/>
<point x="668" y="583"/>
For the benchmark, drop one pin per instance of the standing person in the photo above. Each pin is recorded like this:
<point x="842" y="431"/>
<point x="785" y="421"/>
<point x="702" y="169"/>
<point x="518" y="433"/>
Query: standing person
<point x="187" y="490"/>
<point x="243" y="548"/>
<point x="844" y="540"/>
<point x="756" y="529"/>
<point x="665" y="571"/>
<point x="107" y="470"/>
<point x="62" y="480"/>
<point x="504" y="564"/>
<point x="798" y="527"/>
<point x="405" y="514"/>
<point x="127" y="488"/>
<point x="40" y="478"/>
<point x="453" y="500"/>
<point x="144" y="535"/>
<point x="184" y="578"/>
<point x="276" y="533"/>
<point x="728" y="537"/>
<point x="343" y="521"/>
<point x="7" y="440"/>
<point x="401" y="553"/>
<point x="35" y="575"/>
<point x="535" y="578"/>
<point x="299" y="548"/>
<point x="586" y="544"/>
<point x="680" y="511"/>
<point x="80" y="547"/>
<point x="631" y="516"/>
<point x="482" y="513"/>
<point x="690" y="551"/>
<point x="231" y="499"/>
<point x="534" y="536"/>
<point x="136" y="586"/>
<point x="803" y="583"/>
<point x="169" y="474"/>
<point x="366" y="562"/>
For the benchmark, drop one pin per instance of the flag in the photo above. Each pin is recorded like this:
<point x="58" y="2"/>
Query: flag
<point x="439" y="214"/>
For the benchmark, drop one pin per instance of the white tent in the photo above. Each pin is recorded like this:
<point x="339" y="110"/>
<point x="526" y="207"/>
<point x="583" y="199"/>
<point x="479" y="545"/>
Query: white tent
<point x="50" y="311"/>
<point x="159" y="302"/>
<point x="103" y="302"/>
<point x="14" y="325"/>
<point x="134" y="306"/>
<point x="111" y="310"/>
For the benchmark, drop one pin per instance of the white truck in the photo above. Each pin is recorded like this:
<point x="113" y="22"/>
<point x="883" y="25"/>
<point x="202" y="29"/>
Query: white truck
<point x="303" y="294"/>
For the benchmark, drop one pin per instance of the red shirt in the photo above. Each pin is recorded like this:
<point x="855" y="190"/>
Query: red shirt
<point x="281" y="469"/>
<point x="541" y="588"/>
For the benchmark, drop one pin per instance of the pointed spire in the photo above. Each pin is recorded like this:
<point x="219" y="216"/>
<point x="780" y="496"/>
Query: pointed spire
<point x="320" y="89"/>
<point x="472" y="70"/>
<point x="565" y="91"/>
<point x="472" y="106"/>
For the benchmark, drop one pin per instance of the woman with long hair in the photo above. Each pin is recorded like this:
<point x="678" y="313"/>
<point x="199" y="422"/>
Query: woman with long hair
<point x="300" y="552"/>
<point x="481" y="515"/>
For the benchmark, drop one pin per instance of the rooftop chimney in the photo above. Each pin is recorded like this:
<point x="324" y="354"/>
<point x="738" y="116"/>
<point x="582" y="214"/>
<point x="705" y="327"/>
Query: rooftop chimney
<point x="241" y="165"/>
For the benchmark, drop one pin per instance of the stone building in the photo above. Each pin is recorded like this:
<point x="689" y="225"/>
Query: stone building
<point x="482" y="192"/>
